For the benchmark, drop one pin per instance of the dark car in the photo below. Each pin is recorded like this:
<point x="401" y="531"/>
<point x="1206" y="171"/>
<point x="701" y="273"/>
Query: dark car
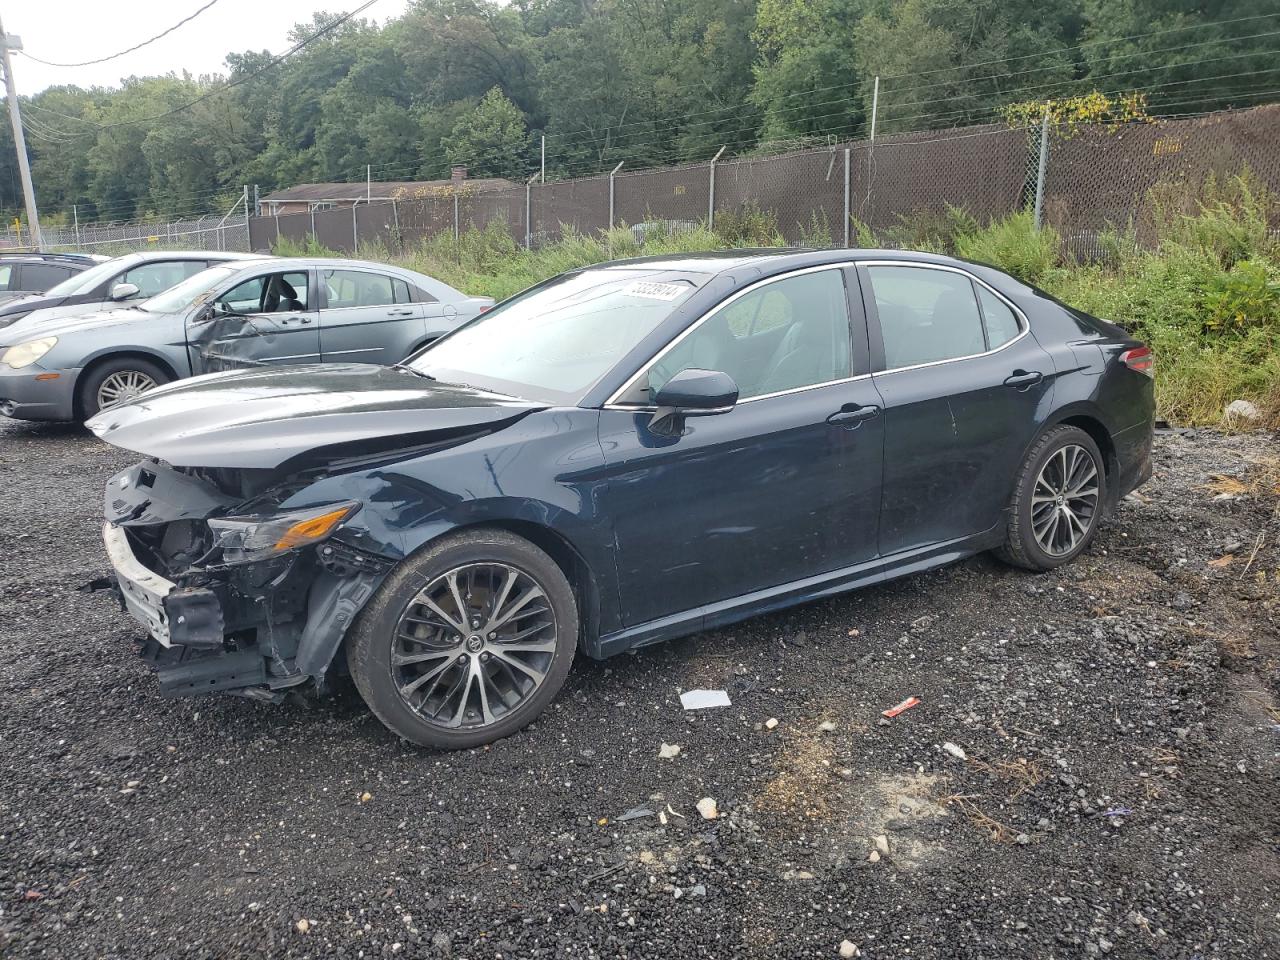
<point x="620" y="455"/>
<point x="23" y="274"/>
<point x="99" y="284"/>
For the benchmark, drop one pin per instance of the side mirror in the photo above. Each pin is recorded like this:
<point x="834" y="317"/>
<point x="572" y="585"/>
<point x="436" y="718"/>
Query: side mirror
<point x="124" y="291"/>
<point x="692" y="393"/>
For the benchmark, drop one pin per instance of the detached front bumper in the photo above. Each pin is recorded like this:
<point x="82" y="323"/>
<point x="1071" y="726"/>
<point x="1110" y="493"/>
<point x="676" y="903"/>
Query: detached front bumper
<point x="38" y="393"/>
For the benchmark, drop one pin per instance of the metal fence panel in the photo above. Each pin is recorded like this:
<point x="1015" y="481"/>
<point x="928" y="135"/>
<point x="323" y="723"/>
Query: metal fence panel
<point x="580" y="205"/>
<point x="677" y="197"/>
<point x="803" y="191"/>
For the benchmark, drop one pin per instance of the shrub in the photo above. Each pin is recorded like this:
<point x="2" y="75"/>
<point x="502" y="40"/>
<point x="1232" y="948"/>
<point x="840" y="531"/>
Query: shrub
<point x="1245" y="296"/>
<point x="1013" y="245"/>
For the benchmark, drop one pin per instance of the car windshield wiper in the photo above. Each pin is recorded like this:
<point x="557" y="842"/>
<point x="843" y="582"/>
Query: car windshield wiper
<point x="408" y="369"/>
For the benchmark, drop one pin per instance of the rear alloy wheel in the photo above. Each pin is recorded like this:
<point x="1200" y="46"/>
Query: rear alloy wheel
<point x="1058" y="501"/>
<point x="467" y="642"/>
<point x="117" y="381"/>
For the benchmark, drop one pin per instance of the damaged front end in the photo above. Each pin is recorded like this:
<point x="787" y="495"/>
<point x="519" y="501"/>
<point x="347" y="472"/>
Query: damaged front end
<point x="238" y="594"/>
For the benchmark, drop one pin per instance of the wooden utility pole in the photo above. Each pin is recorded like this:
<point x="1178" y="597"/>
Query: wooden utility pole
<point x="8" y="43"/>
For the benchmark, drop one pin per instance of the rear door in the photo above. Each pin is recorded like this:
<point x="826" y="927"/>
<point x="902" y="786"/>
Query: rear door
<point x="965" y="388"/>
<point x="368" y="317"/>
<point x="269" y="318"/>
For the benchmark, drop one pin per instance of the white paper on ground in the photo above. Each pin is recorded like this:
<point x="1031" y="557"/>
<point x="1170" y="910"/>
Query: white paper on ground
<point x="702" y="699"/>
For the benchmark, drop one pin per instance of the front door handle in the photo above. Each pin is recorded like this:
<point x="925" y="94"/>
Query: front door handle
<point x="1023" y="379"/>
<point x="852" y="414"/>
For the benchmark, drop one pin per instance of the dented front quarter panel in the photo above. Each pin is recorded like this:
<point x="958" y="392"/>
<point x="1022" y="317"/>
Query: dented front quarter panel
<point x="408" y="499"/>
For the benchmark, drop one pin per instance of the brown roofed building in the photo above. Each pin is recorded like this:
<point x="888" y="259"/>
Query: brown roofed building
<point x="328" y="196"/>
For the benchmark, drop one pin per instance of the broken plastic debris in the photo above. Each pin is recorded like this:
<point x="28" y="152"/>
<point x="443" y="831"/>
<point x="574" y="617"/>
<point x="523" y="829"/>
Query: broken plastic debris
<point x="771" y="723"/>
<point x="905" y="705"/>
<point x="1117" y="812"/>
<point x="668" y="751"/>
<point x="703" y="699"/>
<point x="635" y="813"/>
<point x="955" y="750"/>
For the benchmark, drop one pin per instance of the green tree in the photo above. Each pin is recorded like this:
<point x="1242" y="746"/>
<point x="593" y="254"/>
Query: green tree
<point x="492" y="140"/>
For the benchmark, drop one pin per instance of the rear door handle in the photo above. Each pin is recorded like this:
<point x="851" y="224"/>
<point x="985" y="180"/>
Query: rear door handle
<point x="400" y="312"/>
<point x="1023" y="379"/>
<point x="851" y="414"/>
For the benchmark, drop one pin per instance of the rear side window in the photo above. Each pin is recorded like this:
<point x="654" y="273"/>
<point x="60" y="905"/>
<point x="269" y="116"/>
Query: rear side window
<point x="42" y="276"/>
<point x="926" y="315"/>
<point x="1002" y="324"/>
<point x="356" y="288"/>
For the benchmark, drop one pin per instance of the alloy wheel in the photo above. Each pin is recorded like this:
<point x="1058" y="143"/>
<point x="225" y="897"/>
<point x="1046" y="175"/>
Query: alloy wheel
<point x="123" y="385"/>
<point x="1064" y="502"/>
<point x="473" y="645"/>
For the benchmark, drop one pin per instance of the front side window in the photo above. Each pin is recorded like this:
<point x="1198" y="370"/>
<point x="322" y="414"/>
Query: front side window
<point x="6" y="274"/>
<point x="357" y="288"/>
<point x="270" y="293"/>
<point x="556" y="340"/>
<point x="926" y="315"/>
<point x="786" y="335"/>
<point x="154" y="278"/>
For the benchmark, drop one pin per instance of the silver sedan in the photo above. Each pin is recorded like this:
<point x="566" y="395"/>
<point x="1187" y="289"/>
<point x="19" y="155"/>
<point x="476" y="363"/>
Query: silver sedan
<point x="232" y="316"/>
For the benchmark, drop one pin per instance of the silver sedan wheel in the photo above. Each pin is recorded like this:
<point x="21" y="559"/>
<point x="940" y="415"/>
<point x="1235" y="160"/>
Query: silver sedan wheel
<point x="123" y="385"/>
<point x="473" y="645"/>
<point x="1064" y="503"/>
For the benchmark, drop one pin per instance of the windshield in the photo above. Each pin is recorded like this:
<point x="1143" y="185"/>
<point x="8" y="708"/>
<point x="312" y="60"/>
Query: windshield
<point x="555" y="341"/>
<point x="191" y="291"/>
<point x="84" y="281"/>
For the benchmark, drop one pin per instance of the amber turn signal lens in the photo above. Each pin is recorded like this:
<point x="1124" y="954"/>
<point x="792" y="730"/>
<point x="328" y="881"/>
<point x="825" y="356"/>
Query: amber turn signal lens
<point x="313" y="528"/>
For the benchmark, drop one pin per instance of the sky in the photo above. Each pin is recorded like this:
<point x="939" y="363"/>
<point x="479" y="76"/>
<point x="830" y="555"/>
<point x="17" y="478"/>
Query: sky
<point x="70" y="31"/>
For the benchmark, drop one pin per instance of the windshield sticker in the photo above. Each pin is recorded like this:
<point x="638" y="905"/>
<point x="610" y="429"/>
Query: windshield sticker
<point x="652" y="290"/>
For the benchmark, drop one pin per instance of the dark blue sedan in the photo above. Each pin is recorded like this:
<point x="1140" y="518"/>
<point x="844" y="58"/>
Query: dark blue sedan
<point x="620" y="455"/>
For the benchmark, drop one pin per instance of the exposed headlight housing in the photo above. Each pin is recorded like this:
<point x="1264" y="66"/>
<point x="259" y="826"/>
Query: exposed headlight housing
<point x="247" y="539"/>
<point x="25" y="354"/>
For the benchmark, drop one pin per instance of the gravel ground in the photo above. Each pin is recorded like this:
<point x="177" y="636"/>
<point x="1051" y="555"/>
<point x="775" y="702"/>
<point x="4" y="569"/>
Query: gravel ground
<point x="1091" y="770"/>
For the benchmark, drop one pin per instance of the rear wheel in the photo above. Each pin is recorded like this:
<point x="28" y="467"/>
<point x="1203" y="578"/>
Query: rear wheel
<point x="466" y="642"/>
<point x="118" y="380"/>
<point x="1058" y="501"/>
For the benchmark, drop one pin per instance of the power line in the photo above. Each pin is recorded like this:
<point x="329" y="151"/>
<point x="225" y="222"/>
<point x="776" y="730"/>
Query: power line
<point x="114" y="56"/>
<point x="306" y="41"/>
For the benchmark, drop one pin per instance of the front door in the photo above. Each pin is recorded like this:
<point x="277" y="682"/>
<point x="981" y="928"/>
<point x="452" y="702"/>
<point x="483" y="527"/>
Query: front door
<point x="784" y="486"/>
<point x="965" y="389"/>
<point x="368" y="317"/>
<point x="265" y="320"/>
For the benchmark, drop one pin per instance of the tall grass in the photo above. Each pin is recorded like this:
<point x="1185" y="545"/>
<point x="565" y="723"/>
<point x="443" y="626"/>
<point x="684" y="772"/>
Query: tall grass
<point x="1207" y="298"/>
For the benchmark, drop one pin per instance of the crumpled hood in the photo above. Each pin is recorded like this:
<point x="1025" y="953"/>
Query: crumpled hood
<point x="38" y="324"/>
<point x="261" y="418"/>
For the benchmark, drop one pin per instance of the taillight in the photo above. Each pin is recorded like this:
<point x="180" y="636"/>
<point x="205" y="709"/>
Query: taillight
<point x="1140" y="359"/>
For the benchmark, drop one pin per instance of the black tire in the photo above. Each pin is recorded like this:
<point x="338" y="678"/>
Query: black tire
<point x="376" y="635"/>
<point x="91" y="384"/>
<point x="1022" y="546"/>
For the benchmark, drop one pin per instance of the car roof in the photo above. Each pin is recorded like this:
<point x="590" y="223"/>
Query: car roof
<point x="29" y="256"/>
<point x="770" y="260"/>
<point x="139" y="256"/>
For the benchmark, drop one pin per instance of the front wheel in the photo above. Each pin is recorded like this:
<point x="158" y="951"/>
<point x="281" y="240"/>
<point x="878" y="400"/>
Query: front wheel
<point x="466" y="642"/>
<point x="116" y="381"/>
<point x="1058" y="501"/>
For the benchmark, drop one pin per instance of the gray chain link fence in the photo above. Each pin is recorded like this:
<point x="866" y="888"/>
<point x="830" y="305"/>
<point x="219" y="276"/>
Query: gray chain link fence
<point x="900" y="191"/>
